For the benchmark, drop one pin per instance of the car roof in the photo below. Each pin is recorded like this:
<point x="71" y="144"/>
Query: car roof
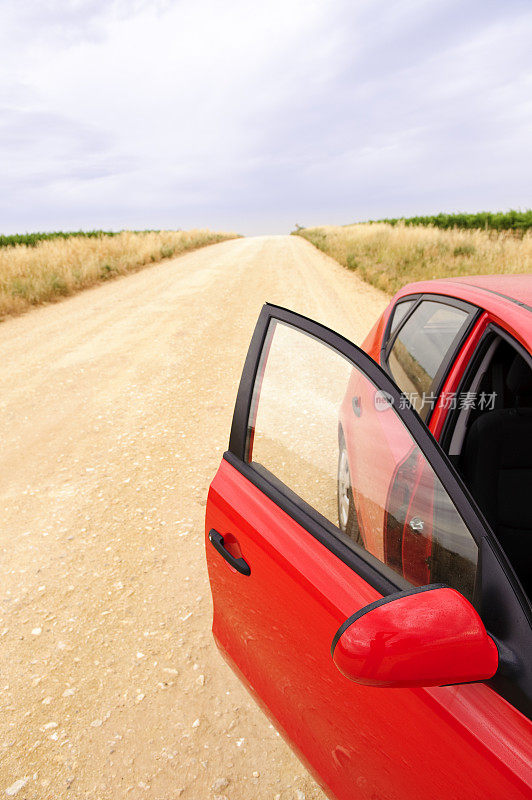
<point x="506" y="298"/>
<point x="514" y="287"/>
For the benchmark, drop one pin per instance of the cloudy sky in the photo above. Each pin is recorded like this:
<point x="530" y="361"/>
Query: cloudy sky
<point x="257" y="116"/>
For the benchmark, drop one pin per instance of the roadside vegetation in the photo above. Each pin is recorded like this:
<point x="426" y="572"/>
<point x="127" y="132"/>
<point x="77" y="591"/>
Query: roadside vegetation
<point x="388" y="256"/>
<point x="61" y="264"/>
<point x="517" y="221"/>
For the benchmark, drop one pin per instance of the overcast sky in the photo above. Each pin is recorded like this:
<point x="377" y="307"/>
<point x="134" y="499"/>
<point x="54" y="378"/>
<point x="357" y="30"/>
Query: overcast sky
<point x="255" y="116"/>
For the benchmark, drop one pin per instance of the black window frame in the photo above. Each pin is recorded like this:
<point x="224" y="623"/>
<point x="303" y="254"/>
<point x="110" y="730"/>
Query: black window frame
<point x="491" y="332"/>
<point x="473" y="313"/>
<point x="499" y="597"/>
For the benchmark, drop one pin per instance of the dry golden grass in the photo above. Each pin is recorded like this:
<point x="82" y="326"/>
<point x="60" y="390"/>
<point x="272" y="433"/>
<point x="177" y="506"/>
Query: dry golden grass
<point x="53" y="269"/>
<point x="390" y="256"/>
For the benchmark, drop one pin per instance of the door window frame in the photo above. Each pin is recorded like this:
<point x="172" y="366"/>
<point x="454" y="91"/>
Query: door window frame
<point x="499" y="597"/>
<point x="491" y="332"/>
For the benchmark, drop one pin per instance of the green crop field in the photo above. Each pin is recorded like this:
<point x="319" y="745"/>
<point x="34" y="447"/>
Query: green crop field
<point x="32" y="239"/>
<point x="518" y="221"/>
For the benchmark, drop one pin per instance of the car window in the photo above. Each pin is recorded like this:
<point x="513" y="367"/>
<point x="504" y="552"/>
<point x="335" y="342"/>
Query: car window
<point x="399" y="313"/>
<point x="320" y="429"/>
<point x="420" y="349"/>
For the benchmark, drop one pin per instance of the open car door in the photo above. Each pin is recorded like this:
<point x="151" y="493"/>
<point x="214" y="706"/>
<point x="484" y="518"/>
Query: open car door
<point x="326" y="464"/>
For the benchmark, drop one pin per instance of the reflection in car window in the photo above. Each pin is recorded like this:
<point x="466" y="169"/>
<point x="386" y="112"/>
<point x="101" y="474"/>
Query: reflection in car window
<point x="399" y="313"/>
<point x="319" y="427"/>
<point x="420" y="348"/>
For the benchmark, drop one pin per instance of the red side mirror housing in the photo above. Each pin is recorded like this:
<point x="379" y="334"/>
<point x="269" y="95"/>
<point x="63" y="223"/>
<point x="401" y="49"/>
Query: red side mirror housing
<point x="430" y="636"/>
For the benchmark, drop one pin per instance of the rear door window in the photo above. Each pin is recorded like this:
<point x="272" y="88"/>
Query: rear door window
<point x="418" y="359"/>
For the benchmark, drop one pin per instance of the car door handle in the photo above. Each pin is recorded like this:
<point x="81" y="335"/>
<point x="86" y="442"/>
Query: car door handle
<point x="240" y="564"/>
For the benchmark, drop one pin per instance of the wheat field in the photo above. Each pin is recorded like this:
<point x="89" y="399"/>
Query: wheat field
<point x="59" y="267"/>
<point x="388" y="256"/>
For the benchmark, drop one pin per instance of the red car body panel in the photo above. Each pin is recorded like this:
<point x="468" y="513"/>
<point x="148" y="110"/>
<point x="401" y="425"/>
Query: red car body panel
<point x="462" y="742"/>
<point x="389" y="445"/>
<point x="502" y="311"/>
<point x="275" y="628"/>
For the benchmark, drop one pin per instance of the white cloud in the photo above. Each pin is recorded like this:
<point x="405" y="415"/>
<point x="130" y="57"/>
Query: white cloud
<point x="240" y="115"/>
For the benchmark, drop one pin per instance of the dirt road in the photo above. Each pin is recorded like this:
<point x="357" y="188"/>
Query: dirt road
<point x="114" y="412"/>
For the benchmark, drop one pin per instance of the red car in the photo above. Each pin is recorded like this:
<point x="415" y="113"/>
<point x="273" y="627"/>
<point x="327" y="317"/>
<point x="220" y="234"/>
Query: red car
<point x="368" y="538"/>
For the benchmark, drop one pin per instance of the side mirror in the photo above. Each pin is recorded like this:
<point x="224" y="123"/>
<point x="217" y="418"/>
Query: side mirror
<point x="431" y="636"/>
